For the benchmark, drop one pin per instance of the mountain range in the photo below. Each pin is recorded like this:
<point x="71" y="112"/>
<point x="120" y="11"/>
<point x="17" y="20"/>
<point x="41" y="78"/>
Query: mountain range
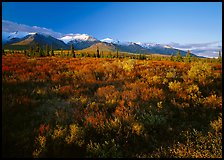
<point x="12" y="32"/>
<point x="31" y="39"/>
<point x="22" y="40"/>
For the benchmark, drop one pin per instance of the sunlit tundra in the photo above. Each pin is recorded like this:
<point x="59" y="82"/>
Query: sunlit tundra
<point x="111" y="107"/>
<point x="111" y="80"/>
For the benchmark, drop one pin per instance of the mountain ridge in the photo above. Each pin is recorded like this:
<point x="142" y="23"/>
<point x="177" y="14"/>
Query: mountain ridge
<point x="32" y="39"/>
<point x="85" y="41"/>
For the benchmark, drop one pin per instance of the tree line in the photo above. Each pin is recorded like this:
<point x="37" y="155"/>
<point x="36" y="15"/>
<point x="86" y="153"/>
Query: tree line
<point x="37" y="51"/>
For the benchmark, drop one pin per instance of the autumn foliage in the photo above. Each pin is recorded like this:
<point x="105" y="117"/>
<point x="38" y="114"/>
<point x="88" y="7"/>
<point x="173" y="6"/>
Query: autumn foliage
<point x="104" y="107"/>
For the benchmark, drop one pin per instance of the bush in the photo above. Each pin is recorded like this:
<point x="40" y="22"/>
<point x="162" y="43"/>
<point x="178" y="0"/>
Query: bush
<point x="104" y="150"/>
<point x="175" y="86"/>
<point x="200" y="72"/>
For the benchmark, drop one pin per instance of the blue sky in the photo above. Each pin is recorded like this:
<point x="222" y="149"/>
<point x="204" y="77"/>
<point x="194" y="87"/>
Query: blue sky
<point x="161" y="22"/>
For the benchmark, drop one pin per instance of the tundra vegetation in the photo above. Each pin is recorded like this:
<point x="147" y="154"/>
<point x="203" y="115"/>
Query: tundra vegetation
<point x="81" y="106"/>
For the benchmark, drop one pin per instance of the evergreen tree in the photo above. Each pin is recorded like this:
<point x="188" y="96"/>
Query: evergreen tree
<point x="37" y="49"/>
<point x="117" y="52"/>
<point x="25" y="53"/>
<point x="52" y="51"/>
<point x="178" y="57"/>
<point x="3" y="51"/>
<point x="72" y="50"/>
<point x="41" y="52"/>
<point x="188" y="56"/>
<point x="62" y="53"/>
<point x="220" y="57"/>
<point x="47" y="50"/>
<point x="97" y="52"/>
<point x="30" y="51"/>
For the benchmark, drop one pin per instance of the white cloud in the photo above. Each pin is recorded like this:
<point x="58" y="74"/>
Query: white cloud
<point x="209" y="49"/>
<point x="8" y="26"/>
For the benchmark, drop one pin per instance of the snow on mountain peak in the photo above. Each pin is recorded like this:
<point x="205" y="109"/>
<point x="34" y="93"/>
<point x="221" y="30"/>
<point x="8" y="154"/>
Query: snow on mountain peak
<point x="6" y="36"/>
<point x="108" y="40"/>
<point x="147" y="45"/>
<point x="167" y="46"/>
<point x="77" y="37"/>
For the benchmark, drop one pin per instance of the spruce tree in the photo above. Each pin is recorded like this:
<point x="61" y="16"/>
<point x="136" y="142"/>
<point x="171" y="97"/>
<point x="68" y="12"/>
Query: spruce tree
<point x="97" y="52"/>
<point x="41" y="52"/>
<point x="37" y="49"/>
<point x="220" y="54"/>
<point x="30" y="51"/>
<point x="220" y="57"/>
<point x="25" y="53"/>
<point x="188" y="56"/>
<point x="178" y="58"/>
<point x="117" y="52"/>
<point x="47" y="50"/>
<point x="62" y="52"/>
<point x="52" y="51"/>
<point x="72" y="50"/>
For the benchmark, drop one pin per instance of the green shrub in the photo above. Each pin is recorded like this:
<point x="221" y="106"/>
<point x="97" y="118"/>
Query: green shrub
<point x="107" y="149"/>
<point x="200" y="72"/>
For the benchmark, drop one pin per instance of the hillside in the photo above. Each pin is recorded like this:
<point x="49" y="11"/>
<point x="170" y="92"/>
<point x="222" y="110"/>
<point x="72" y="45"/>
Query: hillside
<point x="31" y="40"/>
<point x="103" y="46"/>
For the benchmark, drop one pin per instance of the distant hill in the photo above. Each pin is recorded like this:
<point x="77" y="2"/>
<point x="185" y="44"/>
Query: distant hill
<point x="155" y="48"/>
<point x="84" y="42"/>
<point x="103" y="46"/>
<point x="110" y="47"/>
<point x="31" y="40"/>
<point x="168" y="51"/>
<point x="132" y="48"/>
<point x="80" y="41"/>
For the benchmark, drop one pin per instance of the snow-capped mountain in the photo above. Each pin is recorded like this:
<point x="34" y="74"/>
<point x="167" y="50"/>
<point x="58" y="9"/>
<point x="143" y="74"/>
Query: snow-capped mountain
<point x="210" y="49"/>
<point x="9" y="26"/>
<point x="167" y="46"/>
<point x="108" y="40"/>
<point x="7" y="36"/>
<point x="145" y="48"/>
<point x="80" y="41"/>
<point x="32" y="39"/>
<point x="13" y="32"/>
<point x="77" y="38"/>
<point x="149" y="45"/>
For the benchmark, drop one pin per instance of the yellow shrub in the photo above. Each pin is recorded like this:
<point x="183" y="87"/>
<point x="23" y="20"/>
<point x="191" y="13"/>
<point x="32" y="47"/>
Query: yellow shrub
<point x="175" y="86"/>
<point x="200" y="72"/>
<point x="58" y="132"/>
<point x="137" y="128"/>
